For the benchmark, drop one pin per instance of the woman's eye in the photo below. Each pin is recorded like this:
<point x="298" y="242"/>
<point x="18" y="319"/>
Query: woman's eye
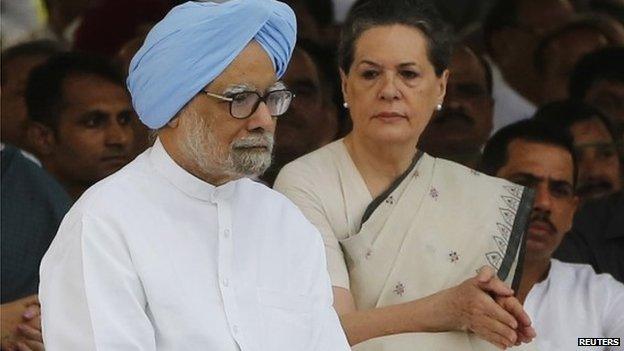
<point x="370" y="74"/>
<point x="409" y="74"/>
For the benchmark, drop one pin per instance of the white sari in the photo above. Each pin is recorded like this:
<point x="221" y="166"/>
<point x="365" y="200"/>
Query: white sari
<point x="431" y="230"/>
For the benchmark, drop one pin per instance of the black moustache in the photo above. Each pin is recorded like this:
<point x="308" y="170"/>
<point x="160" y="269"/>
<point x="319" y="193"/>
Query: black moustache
<point x="544" y="218"/>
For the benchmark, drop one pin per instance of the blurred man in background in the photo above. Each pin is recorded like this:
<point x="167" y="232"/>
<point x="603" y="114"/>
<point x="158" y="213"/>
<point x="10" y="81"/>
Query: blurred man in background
<point x="558" y="52"/>
<point x="598" y="79"/>
<point x="16" y="64"/>
<point x="81" y="116"/>
<point x="312" y="119"/>
<point x="459" y="131"/>
<point x="600" y="169"/>
<point x="512" y="31"/>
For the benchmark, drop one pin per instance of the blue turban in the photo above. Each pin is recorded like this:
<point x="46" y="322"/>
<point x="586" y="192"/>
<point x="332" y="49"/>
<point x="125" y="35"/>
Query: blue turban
<point x="195" y="43"/>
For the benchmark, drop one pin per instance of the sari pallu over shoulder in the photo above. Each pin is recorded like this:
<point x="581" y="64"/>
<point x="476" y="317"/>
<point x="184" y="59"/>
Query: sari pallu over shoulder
<point x="433" y="229"/>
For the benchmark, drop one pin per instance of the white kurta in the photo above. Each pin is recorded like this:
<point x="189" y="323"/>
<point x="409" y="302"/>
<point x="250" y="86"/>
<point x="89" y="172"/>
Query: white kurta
<point x="574" y="302"/>
<point x="153" y="258"/>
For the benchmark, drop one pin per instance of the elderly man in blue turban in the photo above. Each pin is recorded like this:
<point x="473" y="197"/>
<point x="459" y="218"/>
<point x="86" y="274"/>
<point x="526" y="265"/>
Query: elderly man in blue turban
<point x="180" y="250"/>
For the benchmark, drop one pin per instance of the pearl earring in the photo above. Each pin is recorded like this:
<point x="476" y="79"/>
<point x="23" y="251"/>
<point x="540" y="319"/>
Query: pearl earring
<point x="439" y="107"/>
<point x="345" y="104"/>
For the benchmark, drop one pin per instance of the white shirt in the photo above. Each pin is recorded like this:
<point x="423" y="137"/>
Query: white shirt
<point x="509" y="105"/>
<point x="574" y="302"/>
<point x="152" y="258"/>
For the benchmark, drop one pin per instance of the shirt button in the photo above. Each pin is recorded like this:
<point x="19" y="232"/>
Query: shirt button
<point x="235" y="329"/>
<point x="226" y="233"/>
<point x="225" y="282"/>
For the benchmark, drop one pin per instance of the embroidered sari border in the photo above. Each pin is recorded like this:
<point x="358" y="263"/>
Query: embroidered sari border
<point x="517" y="239"/>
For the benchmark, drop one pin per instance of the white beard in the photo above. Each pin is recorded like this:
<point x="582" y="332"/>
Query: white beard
<point x="249" y="156"/>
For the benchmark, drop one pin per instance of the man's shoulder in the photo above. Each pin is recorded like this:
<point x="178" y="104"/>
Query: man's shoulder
<point x="118" y="189"/>
<point x="22" y="175"/>
<point x="583" y="276"/>
<point x="574" y="271"/>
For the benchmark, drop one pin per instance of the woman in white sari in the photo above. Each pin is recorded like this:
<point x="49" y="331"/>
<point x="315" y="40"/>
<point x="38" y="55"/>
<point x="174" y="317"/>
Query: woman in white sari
<point x="404" y="232"/>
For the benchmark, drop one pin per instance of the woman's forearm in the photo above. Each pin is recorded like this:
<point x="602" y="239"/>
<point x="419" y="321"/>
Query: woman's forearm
<point x="414" y="316"/>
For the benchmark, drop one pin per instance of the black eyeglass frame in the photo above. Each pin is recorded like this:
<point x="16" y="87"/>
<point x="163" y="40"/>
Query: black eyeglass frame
<point x="231" y="99"/>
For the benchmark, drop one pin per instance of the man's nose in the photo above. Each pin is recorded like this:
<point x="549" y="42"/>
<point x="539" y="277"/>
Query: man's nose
<point x="261" y="119"/>
<point x="543" y="198"/>
<point x="119" y="134"/>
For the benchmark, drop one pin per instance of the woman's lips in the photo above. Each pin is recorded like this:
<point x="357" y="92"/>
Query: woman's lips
<point x="389" y="116"/>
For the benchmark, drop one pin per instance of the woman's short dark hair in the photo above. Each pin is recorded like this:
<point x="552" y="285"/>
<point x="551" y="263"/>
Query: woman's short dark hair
<point x="420" y="14"/>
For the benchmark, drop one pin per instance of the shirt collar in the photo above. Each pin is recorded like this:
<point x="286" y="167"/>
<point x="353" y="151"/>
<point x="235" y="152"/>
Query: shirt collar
<point x="185" y="181"/>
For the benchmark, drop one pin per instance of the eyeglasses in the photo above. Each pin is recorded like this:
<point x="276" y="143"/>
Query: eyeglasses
<point x="244" y="104"/>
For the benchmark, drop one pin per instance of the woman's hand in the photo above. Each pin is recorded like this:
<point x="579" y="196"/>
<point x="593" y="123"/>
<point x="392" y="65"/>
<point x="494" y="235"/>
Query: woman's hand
<point x="485" y="306"/>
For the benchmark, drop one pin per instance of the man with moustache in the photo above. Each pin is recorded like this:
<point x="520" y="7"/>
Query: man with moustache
<point x="554" y="293"/>
<point x="595" y="146"/>
<point x="459" y="131"/>
<point x="180" y="250"/>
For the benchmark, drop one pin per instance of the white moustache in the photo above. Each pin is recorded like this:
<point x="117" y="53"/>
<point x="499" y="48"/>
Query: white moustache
<point x="261" y="140"/>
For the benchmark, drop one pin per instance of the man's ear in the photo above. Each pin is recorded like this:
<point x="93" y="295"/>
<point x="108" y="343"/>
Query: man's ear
<point x="175" y="121"/>
<point x="41" y="137"/>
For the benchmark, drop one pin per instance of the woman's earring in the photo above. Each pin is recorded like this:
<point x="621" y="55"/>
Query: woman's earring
<point x="345" y="104"/>
<point x="439" y="107"/>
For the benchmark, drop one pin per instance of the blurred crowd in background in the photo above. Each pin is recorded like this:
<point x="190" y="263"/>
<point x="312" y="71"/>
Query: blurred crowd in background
<point x="68" y="122"/>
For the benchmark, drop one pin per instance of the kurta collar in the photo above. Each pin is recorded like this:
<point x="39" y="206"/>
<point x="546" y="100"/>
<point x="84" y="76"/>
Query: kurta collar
<point x="185" y="181"/>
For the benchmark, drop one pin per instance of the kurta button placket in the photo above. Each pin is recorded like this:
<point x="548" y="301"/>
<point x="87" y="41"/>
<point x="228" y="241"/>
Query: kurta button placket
<point x="225" y="264"/>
